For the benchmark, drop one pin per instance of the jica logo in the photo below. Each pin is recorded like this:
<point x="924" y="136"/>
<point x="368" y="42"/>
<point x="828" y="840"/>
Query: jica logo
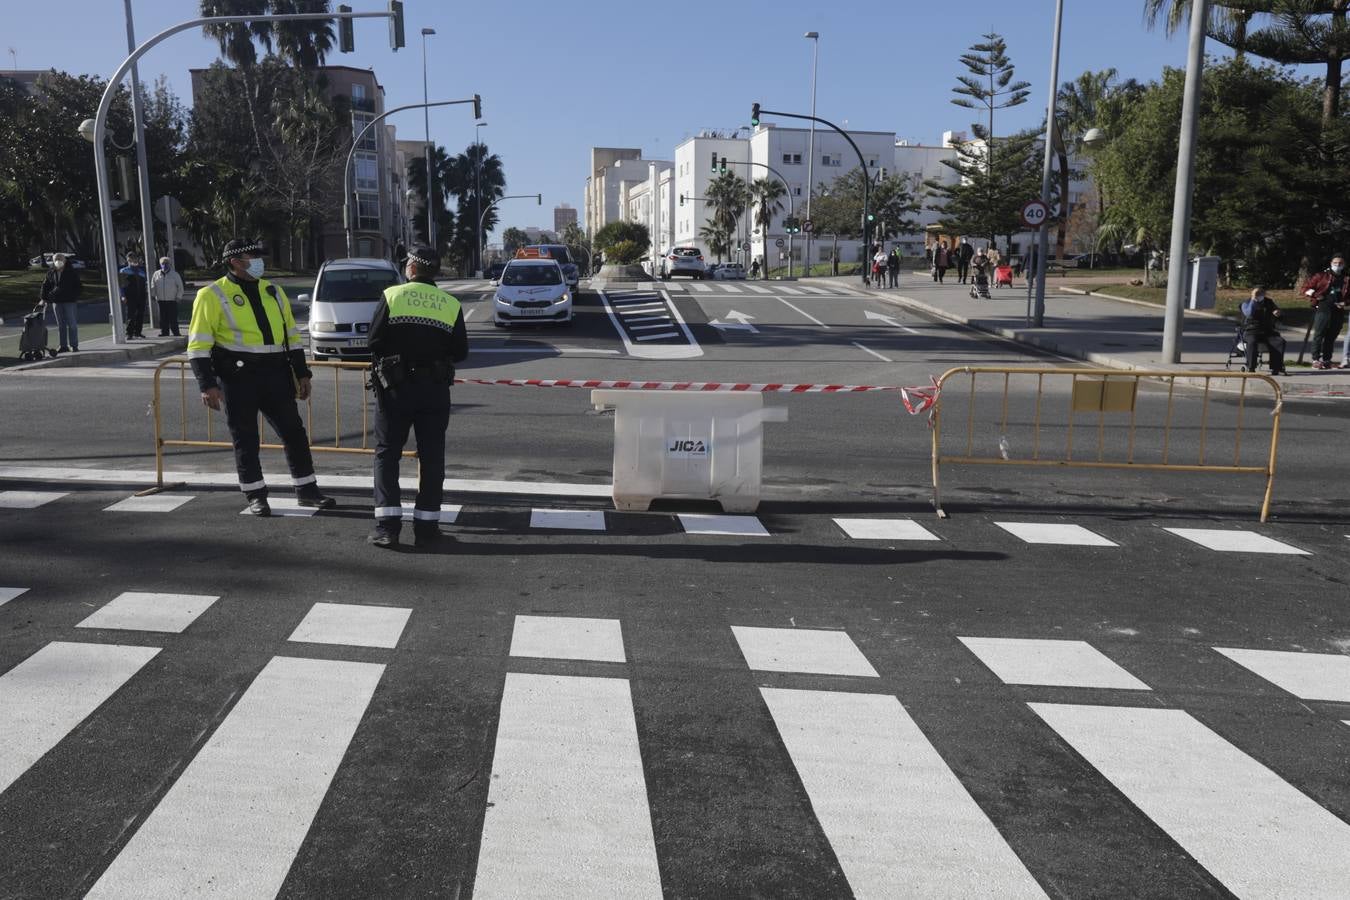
<point x="688" y="447"/>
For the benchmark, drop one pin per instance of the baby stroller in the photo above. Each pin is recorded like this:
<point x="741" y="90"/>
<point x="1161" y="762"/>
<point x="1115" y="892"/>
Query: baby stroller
<point x="1003" y="276"/>
<point x="33" y="340"/>
<point x="979" y="287"/>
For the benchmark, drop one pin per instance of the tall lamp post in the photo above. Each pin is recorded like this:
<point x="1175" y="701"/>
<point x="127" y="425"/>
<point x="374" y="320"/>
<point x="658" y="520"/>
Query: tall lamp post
<point x="478" y="193"/>
<point x="1181" y="199"/>
<point x="1043" y="236"/>
<point x="814" y="38"/>
<point x="143" y="168"/>
<point x="426" y="136"/>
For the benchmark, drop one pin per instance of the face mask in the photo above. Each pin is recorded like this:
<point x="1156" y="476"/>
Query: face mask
<point x="164" y="267"/>
<point x="60" y="264"/>
<point x="255" y="267"/>
<point x="1337" y="269"/>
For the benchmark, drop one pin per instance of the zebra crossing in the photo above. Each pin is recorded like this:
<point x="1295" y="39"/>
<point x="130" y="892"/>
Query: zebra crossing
<point x="896" y="530"/>
<point x="793" y="289"/>
<point x="568" y="811"/>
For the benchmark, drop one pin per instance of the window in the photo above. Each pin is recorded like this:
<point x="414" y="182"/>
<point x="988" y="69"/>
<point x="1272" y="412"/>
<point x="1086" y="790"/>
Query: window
<point x="368" y="212"/>
<point x="828" y="160"/>
<point x="358" y="92"/>
<point x="871" y="162"/>
<point x="359" y="121"/>
<point x="367" y="172"/>
<point x="516" y="275"/>
<point x="796" y="159"/>
<point x="796" y="190"/>
<point x="355" y="285"/>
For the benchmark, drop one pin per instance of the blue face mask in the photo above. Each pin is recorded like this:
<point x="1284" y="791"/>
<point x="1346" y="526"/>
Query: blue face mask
<point x="256" y="267"/>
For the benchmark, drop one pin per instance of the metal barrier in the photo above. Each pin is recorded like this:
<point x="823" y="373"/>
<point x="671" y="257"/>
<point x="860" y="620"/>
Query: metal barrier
<point x="189" y="395"/>
<point x="1110" y="400"/>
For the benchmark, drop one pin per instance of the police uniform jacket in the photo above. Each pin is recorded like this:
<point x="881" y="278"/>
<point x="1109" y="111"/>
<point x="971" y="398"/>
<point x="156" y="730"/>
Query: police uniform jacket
<point x="240" y="326"/>
<point x="420" y="323"/>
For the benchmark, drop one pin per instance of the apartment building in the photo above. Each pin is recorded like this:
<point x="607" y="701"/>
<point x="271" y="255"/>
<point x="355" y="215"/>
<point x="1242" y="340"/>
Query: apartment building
<point x="563" y="215"/>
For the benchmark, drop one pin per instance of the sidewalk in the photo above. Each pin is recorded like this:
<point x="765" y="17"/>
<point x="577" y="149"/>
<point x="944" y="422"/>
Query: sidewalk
<point x="1117" y="334"/>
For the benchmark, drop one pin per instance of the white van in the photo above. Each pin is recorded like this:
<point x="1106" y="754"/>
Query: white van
<point x="346" y="295"/>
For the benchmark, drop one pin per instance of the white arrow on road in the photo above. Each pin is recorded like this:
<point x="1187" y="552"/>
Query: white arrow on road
<point x="878" y="317"/>
<point x="739" y="321"/>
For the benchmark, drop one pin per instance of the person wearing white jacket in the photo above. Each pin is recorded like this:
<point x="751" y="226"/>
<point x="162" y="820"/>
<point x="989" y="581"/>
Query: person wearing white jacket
<point x="166" y="288"/>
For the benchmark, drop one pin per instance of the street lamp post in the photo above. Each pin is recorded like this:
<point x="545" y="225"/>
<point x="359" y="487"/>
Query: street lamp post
<point x="1043" y="236"/>
<point x="538" y="198"/>
<point x="97" y="134"/>
<point x="426" y="135"/>
<point x="478" y="193"/>
<point x="138" y="125"/>
<point x="349" y="189"/>
<point x="1181" y="199"/>
<point x="814" y="38"/>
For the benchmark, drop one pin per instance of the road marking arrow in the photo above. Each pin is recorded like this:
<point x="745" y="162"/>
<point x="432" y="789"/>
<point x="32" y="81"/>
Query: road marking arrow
<point x="878" y="317"/>
<point x="739" y="322"/>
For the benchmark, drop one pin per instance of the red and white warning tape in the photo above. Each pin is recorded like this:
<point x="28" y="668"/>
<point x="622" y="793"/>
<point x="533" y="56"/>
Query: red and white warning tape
<point x="700" y="386"/>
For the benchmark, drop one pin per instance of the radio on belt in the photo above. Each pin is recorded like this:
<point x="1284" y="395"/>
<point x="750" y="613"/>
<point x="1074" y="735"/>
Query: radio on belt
<point x="703" y="445"/>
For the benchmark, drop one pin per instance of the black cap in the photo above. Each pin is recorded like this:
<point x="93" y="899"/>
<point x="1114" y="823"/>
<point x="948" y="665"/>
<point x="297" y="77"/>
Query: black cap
<point x="241" y="247"/>
<point x="427" y="259"/>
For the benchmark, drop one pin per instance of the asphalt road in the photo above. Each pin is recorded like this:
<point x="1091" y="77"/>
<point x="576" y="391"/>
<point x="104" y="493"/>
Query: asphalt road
<point x="602" y="703"/>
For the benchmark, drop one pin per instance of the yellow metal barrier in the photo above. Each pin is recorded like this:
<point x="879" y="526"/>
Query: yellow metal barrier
<point x="188" y="395"/>
<point x="1132" y="426"/>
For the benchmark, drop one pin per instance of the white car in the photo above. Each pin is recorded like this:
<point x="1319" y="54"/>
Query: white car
<point x="346" y="295"/>
<point x="729" y="272"/>
<point x="683" y="261"/>
<point x="532" y="290"/>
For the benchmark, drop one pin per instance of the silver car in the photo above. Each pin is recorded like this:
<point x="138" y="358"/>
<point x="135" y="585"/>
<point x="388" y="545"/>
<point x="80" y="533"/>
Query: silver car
<point x="684" y="261"/>
<point x="346" y="295"/>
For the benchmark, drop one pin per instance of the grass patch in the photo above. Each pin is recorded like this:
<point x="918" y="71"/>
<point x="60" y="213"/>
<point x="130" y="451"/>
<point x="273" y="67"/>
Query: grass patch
<point x="1228" y="301"/>
<point x="825" y="269"/>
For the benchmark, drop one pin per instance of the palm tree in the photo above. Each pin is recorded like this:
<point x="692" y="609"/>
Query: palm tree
<point x="717" y="236"/>
<point x="1228" y="19"/>
<point x="476" y="179"/>
<point x="442" y="180"/>
<point x="303" y="44"/>
<point x="237" y="44"/>
<point x="767" y="194"/>
<point x="728" y="195"/>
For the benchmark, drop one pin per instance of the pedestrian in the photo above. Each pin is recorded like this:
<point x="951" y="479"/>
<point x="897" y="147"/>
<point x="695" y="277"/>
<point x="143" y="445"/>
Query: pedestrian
<point x="754" y="268"/>
<point x="879" y="267"/>
<point x="166" y="286"/>
<point x="941" y="261"/>
<point x="1259" y="320"/>
<point x="247" y="355"/>
<point x="416" y="337"/>
<point x="963" y="256"/>
<point x="1032" y="269"/>
<point x="61" y="291"/>
<point x="993" y="256"/>
<point x="134" y="294"/>
<point x="1328" y="292"/>
<point x="893" y="266"/>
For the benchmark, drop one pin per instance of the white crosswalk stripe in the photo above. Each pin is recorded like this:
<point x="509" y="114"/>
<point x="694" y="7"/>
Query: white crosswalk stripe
<point x="568" y="811"/>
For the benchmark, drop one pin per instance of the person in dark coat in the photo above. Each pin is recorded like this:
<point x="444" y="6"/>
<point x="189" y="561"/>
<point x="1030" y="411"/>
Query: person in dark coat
<point x="963" y="257"/>
<point x="61" y="291"/>
<point x="1260" y="316"/>
<point x="135" y="293"/>
<point x="1329" y="294"/>
<point x="893" y="267"/>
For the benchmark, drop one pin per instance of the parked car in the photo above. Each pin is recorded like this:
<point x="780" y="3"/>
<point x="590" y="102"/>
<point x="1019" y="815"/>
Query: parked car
<point x="730" y="272"/>
<point x="558" y="252"/>
<point x="346" y="294"/>
<point x="684" y="261"/>
<point x="45" y="261"/>
<point x="532" y="290"/>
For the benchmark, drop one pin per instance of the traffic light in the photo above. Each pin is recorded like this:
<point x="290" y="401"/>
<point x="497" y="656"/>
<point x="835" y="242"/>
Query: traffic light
<point x="714" y="162"/>
<point x="395" y="24"/>
<point x="346" y="37"/>
<point x="723" y="167"/>
<point x="792" y="225"/>
<point x="871" y="217"/>
<point x="754" y="115"/>
<point x="682" y="199"/>
<point x="477" y="107"/>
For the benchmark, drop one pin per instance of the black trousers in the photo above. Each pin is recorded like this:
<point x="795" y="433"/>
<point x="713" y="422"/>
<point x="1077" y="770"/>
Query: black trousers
<point x="424" y="408"/>
<point x="1274" y="344"/>
<point x="894" y="276"/>
<point x="962" y="269"/>
<point x="168" y="317"/>
<point x="265" y="388"/>
<point x="1327" y="322"/>
<point x="135" y="316"/>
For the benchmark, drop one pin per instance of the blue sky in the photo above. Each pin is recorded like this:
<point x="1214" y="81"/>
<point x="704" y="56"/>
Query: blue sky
<point x="557" y="79"/>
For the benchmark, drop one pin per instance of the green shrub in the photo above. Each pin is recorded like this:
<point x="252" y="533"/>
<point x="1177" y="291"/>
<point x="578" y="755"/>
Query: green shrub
<point x="624" y="253"/>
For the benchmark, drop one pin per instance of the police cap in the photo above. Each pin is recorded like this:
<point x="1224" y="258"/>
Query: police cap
<point x="427" y="259"/>
<point x="241" y="247"/>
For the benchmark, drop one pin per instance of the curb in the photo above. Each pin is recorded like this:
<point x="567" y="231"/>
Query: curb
<point x="90" y="358"/>
<point x="1190" y="312"/>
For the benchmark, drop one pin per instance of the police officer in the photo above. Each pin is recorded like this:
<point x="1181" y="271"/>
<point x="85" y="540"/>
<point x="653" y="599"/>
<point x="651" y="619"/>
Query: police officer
<point x="416" y="338"/>
<point x="247" y="354"/>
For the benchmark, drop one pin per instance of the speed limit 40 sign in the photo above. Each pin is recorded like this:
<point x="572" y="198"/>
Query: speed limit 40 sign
<point x="1034" y="213"/>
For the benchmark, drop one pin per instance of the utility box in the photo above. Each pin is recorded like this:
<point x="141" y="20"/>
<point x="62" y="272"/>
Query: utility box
<point x="1202" y="281"/>
<point x="694" y="446"/>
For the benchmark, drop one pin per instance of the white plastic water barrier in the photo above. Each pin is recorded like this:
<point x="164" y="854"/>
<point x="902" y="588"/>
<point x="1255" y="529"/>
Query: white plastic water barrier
<point x="696" y="445"/>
